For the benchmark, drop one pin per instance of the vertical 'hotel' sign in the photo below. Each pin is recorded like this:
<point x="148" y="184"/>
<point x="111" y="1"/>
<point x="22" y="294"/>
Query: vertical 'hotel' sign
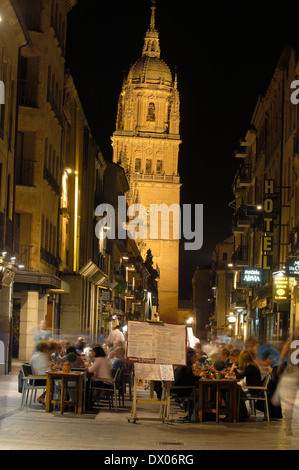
<point x="268" y="224"/>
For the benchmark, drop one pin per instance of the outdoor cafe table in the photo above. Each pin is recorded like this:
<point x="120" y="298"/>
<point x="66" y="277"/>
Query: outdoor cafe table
<point x="208" y="385"/>
<point x="65" y="377"/>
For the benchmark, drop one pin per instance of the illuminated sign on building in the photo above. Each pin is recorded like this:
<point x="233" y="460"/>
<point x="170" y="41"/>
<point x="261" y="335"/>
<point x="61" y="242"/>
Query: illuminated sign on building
<point x="268" y="224"/>
<point x="251" y="275"/>
<point x="280" y="288"/>
<point x="292" y="267"/>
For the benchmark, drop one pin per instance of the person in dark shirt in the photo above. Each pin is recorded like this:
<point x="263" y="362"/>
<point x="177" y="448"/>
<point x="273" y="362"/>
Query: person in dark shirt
<point x="184" y="376"/>
<point x="249" y="371"/>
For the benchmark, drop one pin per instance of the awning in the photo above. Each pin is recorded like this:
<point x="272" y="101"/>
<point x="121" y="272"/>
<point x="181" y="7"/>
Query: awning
<point x="42" y="279"/>
<point x="93" y="273"/>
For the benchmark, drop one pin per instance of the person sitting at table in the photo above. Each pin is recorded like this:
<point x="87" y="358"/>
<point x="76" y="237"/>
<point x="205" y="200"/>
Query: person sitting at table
<point x="184" y="376"/>
<point x="270" y="357"/>
<point x="77" y="362"/>
<point x="119" y="360"/>
<point x="224" y="354"/>
<point x="100" y="367"/>
<point x="41" y="362"/>
<point x="249" y="371"/>
<point x="234" y="359"/>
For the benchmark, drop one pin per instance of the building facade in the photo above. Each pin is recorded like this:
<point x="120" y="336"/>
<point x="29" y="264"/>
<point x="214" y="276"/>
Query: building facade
<point x="263" y="266"/>
<point x="146" y="143"/>
<point x="13" y="37"/>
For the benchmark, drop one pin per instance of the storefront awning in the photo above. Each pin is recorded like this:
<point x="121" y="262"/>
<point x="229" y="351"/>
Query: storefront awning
<point x="93" y="273"/>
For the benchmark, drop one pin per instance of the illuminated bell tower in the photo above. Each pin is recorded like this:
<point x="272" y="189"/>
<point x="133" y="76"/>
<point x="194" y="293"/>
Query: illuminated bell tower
<point x="146" y="143"/>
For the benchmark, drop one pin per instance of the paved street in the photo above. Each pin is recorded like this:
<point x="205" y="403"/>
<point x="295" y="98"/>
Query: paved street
<point x="33" y="429"/>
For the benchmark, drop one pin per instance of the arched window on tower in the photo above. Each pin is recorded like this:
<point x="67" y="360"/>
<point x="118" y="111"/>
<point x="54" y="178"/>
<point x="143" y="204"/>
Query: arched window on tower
<point x="151" y="112"/>
<point x="148" y="166"/>
<point x="159" y="167"/>
<point x="137" y="165"/>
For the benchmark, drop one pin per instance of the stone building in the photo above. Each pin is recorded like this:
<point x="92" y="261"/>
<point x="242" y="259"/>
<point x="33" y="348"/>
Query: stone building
<point x="13" y="37"/>
<point x="265" y="222"/>
<point x="146" y="143"/>
<point x="38" y="163"/>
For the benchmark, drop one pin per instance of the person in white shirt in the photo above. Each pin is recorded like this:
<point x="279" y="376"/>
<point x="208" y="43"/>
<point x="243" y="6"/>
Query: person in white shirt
<point x="115" y="335"/>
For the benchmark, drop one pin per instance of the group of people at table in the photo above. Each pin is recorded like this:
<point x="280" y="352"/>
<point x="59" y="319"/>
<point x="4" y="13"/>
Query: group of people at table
<point x="100" y="361"/>
<point x="246" y="365"/>
<point x="224" y="361"/>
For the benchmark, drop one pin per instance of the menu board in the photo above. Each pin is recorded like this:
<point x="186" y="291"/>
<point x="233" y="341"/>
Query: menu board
<point x="154" y="372"/>
<point x="156" y="343"/>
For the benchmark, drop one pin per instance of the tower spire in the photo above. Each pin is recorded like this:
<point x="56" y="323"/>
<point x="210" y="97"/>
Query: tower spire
<point x="153" y="8"/>
<point x="151" y="46"/>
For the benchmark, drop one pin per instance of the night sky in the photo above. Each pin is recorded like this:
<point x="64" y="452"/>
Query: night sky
<point x="224" y="53"/>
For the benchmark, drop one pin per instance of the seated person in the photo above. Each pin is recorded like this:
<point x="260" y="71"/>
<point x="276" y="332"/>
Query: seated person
<point x="269" y="356"/>
<point x="234" y="359"/>
<point x="224" y="354"/>
<point x="119" y="359"/>
<point x="100" y="367"/>
<point x="77" y="361"/>
<point x="249" y="371"/>
<point x="184" y="376"/>
<point x="41" y="362"/>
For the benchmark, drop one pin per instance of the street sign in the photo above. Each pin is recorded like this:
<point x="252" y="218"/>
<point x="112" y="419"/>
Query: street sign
<point x="292" y="267"/>
<point x="251" y="276"/>
<point x="280" y="289"/>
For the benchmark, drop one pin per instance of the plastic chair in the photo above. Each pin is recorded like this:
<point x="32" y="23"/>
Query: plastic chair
<point x="252" y="398"/>
<point x="110" y="392"/>
<point x="31" y="382"/>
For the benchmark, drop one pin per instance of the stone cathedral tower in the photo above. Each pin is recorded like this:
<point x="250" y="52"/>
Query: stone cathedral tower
<point x="146" y="143"/>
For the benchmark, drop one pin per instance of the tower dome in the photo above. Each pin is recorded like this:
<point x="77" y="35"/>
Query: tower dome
<point x="150" y="68"/>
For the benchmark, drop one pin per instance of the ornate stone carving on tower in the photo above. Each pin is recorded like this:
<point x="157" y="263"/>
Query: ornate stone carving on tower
<point x="146" y="143"/>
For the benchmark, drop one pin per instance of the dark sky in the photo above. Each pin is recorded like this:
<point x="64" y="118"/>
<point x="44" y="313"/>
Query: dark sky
<point x="224" y="52"/>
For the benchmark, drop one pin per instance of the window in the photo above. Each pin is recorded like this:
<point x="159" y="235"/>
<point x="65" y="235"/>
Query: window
<point x="148" y="166"/>
<point x="151" y="112"/>
<point x="224" y="256"/>
<point x="159" y="167"/>
<point x="137" y="165"/>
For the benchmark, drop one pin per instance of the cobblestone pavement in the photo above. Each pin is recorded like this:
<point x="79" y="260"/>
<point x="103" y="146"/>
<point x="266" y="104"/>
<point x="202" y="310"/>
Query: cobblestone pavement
<point x="34" y="429"/>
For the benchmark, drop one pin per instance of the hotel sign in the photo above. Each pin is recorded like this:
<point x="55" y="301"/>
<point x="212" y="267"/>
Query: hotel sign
<point x="268" y="224"/>
<point x="251" y="275"/>
<point x="292" y="267"/>
<point x="280" y="289"/>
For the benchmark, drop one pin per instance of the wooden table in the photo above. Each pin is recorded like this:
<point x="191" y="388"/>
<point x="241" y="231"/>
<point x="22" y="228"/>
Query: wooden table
<point x="65" y="377"/>
<point x="206" y="385"/>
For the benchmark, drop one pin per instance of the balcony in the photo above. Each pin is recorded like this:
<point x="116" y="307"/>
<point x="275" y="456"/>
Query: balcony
<point x="51" y="180"/>
<point x="242" y="178"/>
<point x="58" y="35"/>
<point x="240" y="256"/>
<point x="241" y="152"/>
<point x="54" y="107"/>
<point x="49" y="258"/>
<point x="158" y="178"/>
<point x="28" y="93"/>
<point x="241" y="219"/>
